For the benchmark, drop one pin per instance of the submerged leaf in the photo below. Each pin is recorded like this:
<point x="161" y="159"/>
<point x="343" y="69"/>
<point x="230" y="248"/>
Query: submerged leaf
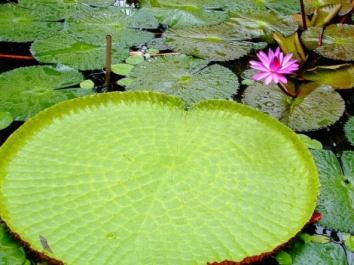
<point x="66" y="50"/>
<point x="336" y="201"/>
<point x="337" y="42"/>
<point x="323" y="15"/>
<point x="27" y="90"/>
<point x="162" y="185"/>
<point x="186" y="77"/>
<point x="23" y="25"/>
<point x="222" y="42"/>
<point x="320" y="108"/>
<point x="349" y="130"/>
<point x="338" y="76"/>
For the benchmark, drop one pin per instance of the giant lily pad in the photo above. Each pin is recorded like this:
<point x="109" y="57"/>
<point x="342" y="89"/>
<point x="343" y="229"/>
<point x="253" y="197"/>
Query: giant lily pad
<point x="337" y="42"/>
<point x="336" y="201"/>
<point x="92" y="25"/>
<point x="216" y="43"/>
<point x="134" y="178"/>
<point x="27" y="90"/>
<point x="349" y="130"/>
<point x="320" y="108"/>
<point x="66" y="50"/>
<point x="183" y="76"/>
<point x="337" y="76"/>
<point x="22" y="25"/>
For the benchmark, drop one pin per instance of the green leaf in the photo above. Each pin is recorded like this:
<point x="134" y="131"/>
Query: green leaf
<point x="23" y="25"/>
<point x="264" y="23"/>
<point x="320" y="108"/>
<point x="318" y="253"/>
<point x="92" y="25"/>
<point x="310" y="143"/>
<point x="337" y="42"/>
<point x="188" y="17"/>
<point x="186" y="77"/>
<point x="124" y="82"/>
<point x="337" y="192"/>
<point x="122" y="68"/>
<point x="284" y="258"/>
<point x="222" y="42"/>
<point x="134" y="178"/>
<point x="349" y="130"/>
<point x="323" y="15"/>
<point x="320" y="239"/>
<point x="87" y="84"/>
<point x="312" y="5"/>
<point x="291" y="44"/>
<point x="134" y="60"/>
<point x="27" y="90"/>
<point x="349" y="242"/>
<point x="66" y="50"/>
<point x="284" y="7"/>
<point x="10" y="252"/>
<point x="5" y="120"/>
<point x="338" y="76"/>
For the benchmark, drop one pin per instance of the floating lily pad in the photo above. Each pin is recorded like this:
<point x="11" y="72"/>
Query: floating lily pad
<point x="284" y="7"/>
<point x="310" y="143"/>
<point x="23" y="25"/>
<point x="318" y="253"/>
<point x="216" y="43"/>
<point x="162" y="185"/>
<point x="320" y="108"/>
<point x="183" y="76"/>
<point x="10" y="252"/>
<point x="5" y="120"/>
<point x="349" y="130"/>
<point x="312" y="5"/>
<point x="337" y="41"/>
<point x="27" y="90"/>
<point x="337" y="76"/>
<point x="336" y="201"/>
<point x="180" y="18"/>
<point x="92" y="25"/>
<point x="122" y="68"/>
<point x="66" y="50"/>
<point x="264" y="23"/>
<point x="87" y="84"/>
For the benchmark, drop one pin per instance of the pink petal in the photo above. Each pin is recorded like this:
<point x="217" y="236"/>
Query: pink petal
<point x="281" y="57"/>
<point x="270" y="55"/>
<point x="282" y="79"/>
<point x="277" y="52"/>
<point x="287" y="58"/>
<point x="263" y="58"/>
<point x="260" y="76"/>
<point x="275" y="78"/>
<point x="260" y="68"/>
<point x="268" y="80"/>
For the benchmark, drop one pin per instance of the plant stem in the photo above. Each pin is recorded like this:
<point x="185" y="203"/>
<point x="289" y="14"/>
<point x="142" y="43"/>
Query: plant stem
<point x="108" y="62"/>
<point x="16" y="57"/>
<point x="287" y="92"/>
<point x="303" y="14"/>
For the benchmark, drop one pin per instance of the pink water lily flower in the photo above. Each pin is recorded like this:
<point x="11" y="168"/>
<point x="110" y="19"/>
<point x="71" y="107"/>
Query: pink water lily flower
<point x="274" y="66"/>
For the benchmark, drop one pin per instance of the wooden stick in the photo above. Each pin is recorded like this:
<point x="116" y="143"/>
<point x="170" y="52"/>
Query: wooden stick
<point x="16" y="57"/>
<point x="108" y="62"/>
<point x="303" y="14"/>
